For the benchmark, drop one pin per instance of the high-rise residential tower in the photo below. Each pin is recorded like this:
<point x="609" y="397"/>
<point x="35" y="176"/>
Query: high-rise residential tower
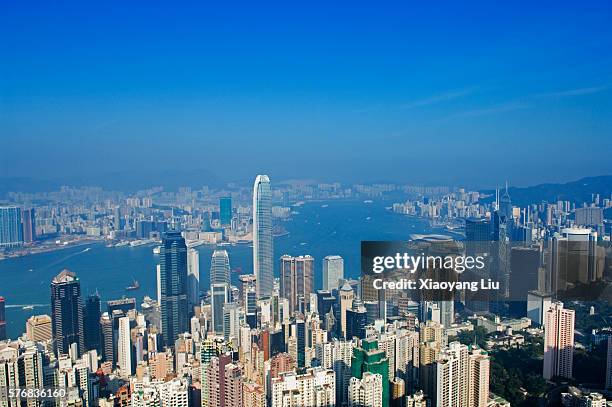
<point x="333" y="272"/>
<point x="173" y="286"/>
<point x="124" y="348"/>
<point x="558" y="341"/>
<point x="262" y="236"/>
<point x="67" y="312"/>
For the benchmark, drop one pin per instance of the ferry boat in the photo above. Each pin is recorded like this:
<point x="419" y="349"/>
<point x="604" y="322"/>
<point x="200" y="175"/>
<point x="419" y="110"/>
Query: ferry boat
<point x="156" y="249"/>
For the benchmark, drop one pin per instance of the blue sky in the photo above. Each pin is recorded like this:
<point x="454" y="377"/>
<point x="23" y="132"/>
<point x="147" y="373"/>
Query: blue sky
<point x="465" y="93"/>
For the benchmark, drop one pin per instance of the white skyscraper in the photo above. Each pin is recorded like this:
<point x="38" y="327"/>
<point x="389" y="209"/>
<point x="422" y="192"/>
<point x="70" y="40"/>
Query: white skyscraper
<point x="365" y="392"/>
<point x="333" y="272"/>
<point x="262" y="236"/>
<point x="193" y="277"/>
<point x="558" y="341"/>
<point x="219" y="267"/>
<point x="124" y="347"/>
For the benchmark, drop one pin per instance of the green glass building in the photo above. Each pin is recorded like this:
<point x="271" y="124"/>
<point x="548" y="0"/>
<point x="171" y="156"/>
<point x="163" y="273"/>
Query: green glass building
<point x="368" y="358"/>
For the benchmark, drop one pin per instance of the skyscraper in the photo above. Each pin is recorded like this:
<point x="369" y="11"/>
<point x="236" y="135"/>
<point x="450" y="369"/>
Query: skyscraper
<point x="91" y="322"/>
<point x="193" y="273"/>
<point x="369" y="358"/>
<point x="11" y="231"/>
<point x="220" y="267"/>
<point x="219" y="297"/>
<point x="262" y="236"/>
<point x="225" y="210"/>
<point x="346" y="302"/>
<point x="2" y="319"/>
<point x="558" y="341"/>
<point x="67" y="312"/>
<point x="174" y="287"/>
<point x="333" y="272"/>
<point x="28" y="221"/>
<point x="124" y="347"/>
<point x="39" y="328"/>
<point x="106" y="337"/>
<point x="297" y="281"/>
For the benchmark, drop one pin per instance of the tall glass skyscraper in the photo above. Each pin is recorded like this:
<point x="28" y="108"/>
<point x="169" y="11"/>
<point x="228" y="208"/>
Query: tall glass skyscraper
<point x="173" y="287"/>
<point x="11" y="231"/>
<point x="225" y="210"/>
<point x="220" y="267"/>
<point x="333" y="272"/>
<point x="262" y="236"/>
<point x="91" y="322"/>
<point x="67" y="312"/>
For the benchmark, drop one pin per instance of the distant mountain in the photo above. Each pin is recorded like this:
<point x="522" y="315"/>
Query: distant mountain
<point x="575" y="191"/>
<point x="118" y="181"/>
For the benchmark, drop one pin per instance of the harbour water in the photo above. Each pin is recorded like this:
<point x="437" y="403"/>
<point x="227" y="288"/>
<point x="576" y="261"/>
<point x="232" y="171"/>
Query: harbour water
<point x="319" y="229"/>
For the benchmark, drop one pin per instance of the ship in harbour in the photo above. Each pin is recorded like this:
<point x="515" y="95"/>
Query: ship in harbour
<point x="135" y="285"/>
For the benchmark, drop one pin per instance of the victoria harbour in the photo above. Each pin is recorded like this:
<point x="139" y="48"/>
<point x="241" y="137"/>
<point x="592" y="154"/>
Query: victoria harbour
<point x="317" y="228"/>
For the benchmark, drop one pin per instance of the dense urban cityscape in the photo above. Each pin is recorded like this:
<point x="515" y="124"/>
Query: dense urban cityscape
<point x="256" y="337"/>
<point x="305" y="204"/>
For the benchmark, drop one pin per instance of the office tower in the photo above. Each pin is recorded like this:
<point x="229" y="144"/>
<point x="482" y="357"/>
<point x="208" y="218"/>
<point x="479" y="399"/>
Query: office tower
<point x="558" y="341"/>
<point x="231" y="321"/>
<point x="124" y="348"/>
<point x="314" y="388"/>
<point x="524" y="272"/>
<point x="262" y="236"/>
<point x="91" y="322"/>
<point x="28" y="222"/>
<point x="193" y="274"/>
<point x="297" y="281"/>
<point x="220" y="267"/>
<point x="11" y="233"/>
<point x="219" y="294"/>
<point x="225" y="210"/>
<point x="106" y="338"/>
<point x="2" y="319"/>
<point x="537" y="305"/>
<point x="67" y="312"/>
<point x="609" y="363"/>
<point x="575" y="259"/>
<point x="478" y="381"/>
<point x="333" y="272"/>
<point x="369" y="358"/>
<point x="39" y="328"/>
<point x="366" y="391"/>
<point x="346" y="303"/>
<point x="174" y="288"/>
<point x="356" y="321"/>
<point x="477" y="236"/>
<point x="299" y="332"/>
<point x="451" y="377"/>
